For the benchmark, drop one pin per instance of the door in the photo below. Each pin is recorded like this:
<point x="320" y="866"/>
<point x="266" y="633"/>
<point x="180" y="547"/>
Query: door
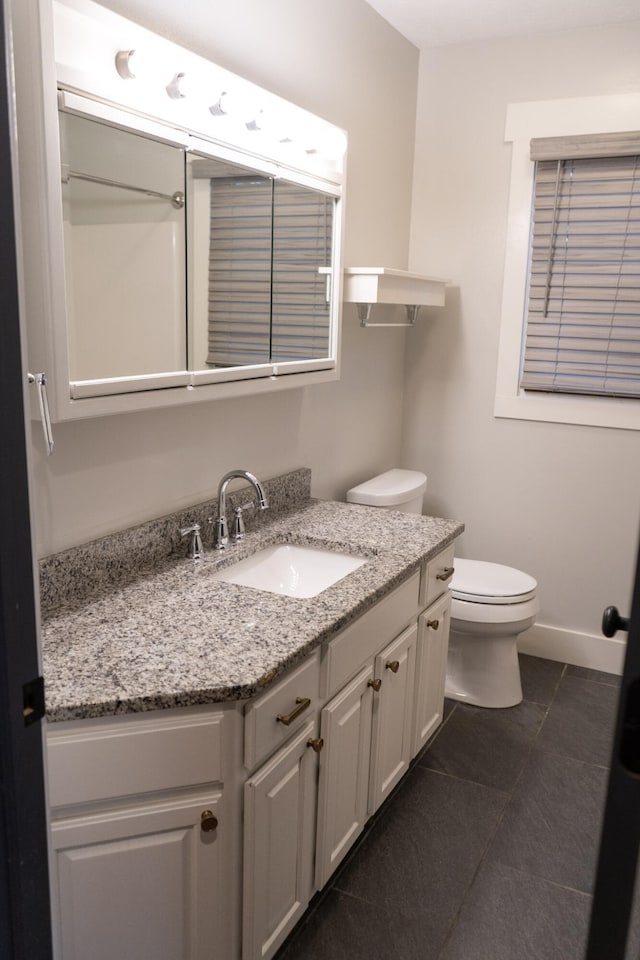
<point x="431" y="668"/>
<point x="391" y="740"/>
<point x="620" y="840"/>
<point x="343" y="786"/>
<point x="142" y="882"/>
<point x="24" y="892"/>
<point x="279" y="841"/>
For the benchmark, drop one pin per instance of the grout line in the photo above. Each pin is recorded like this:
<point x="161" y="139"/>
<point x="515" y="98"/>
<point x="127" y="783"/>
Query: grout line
<point x="509" y="797"/>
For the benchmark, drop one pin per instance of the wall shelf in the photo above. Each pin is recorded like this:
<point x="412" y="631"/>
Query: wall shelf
<point x="366" y="286"/>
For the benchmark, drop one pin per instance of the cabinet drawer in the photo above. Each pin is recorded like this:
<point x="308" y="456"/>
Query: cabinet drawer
<point x="120" y="757"/>
<point x="273" y="717"/>
<point x="347" y="652"/>
<point x="436" y="576"/>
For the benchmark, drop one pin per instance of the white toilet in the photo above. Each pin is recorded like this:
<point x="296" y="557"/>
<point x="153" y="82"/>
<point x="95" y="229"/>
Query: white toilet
<point x="491" y="605"/>
<point x="396" y="490"/>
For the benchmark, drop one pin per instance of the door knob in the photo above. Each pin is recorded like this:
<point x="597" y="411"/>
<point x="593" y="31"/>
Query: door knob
<point x="208" y="822"/>
<point x="612" y="622"/>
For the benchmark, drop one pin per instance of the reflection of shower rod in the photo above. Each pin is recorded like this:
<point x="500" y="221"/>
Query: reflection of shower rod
<point x="176" y="199"/>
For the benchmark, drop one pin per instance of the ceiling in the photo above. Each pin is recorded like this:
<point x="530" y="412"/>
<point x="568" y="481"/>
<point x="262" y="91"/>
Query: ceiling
<point x="436" y="23"/>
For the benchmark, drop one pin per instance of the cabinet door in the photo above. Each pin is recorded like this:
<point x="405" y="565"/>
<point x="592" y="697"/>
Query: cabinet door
<point x="141" y="883"/>
<point x="392" y="715"/>
<point x="431" y="668"/>
<point x="279" y="839"/>
<point x="344" y="773"/>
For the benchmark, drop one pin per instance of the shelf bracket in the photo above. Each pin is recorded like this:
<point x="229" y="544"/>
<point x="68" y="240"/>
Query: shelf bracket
<point x="364" y="314"/>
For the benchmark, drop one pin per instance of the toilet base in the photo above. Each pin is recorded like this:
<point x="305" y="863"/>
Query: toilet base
<point x="483" y="671"/>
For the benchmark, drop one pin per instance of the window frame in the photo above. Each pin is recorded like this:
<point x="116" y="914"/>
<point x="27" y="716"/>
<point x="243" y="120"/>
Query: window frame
<point x="550" y="118"/>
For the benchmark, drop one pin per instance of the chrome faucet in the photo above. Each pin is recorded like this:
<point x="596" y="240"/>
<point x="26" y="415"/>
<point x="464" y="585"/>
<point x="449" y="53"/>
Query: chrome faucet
<point x="221" y="527"/>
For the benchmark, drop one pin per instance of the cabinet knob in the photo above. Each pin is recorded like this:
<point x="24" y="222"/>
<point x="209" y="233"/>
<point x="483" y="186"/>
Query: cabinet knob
<point x="208" y="821"/>
<point x="301" y="705"/>
<point x="393" y="665"/>
<point x="376" y="684"/>
<point x="446" y="574"/>
<point x="316" y="743"/>
<point x="434" y="624"/>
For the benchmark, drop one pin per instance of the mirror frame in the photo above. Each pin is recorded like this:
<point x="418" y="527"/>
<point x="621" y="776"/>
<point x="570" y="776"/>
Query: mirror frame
<point x="77" y="73"/>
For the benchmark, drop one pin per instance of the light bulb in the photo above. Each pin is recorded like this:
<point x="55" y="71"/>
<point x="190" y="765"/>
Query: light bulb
<point x="232" y="105"/>
<point x="136" y="64"/>
<point x="180" y="87"/>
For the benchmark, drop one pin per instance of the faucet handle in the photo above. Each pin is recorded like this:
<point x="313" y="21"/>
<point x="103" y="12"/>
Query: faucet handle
<point x="220" y="532"/>
<point x="196" y="550"/>
<point x="237" y="527"/>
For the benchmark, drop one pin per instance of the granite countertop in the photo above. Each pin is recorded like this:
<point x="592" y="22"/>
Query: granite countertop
<point x="173" y="636"/>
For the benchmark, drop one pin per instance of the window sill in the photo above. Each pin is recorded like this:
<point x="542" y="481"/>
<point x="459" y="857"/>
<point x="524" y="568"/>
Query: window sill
<point x="621" y="414"/>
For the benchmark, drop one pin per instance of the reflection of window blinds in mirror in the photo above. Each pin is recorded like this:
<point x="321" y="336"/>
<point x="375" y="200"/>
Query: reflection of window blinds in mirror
<point x="239" y="271"/>
<point x="247" y="289"/>
<point x="302" y="229"/>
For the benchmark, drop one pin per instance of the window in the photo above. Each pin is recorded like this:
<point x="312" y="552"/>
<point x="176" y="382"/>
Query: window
<point x="583" y="306"/>
<point x="575" y="130"/>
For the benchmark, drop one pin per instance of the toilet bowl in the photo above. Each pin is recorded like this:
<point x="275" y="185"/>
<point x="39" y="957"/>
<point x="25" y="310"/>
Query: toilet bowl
<point x="491" y="605"/>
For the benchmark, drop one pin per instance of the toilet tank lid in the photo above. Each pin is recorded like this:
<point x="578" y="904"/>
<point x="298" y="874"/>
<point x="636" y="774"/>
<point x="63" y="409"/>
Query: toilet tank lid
<point x="387" y="489"/>
<point x="479" y="578"/>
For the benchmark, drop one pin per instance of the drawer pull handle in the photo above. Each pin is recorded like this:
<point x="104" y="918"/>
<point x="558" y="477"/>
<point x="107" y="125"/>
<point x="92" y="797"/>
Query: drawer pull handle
<point x="301" y="705"/>
<point x="376" y="684"/>
<point x="208" y="822"/>
<point x="446" y="574"/>
<point x="393" y="665"/>
<point x="316" y="743"/>
<point x="434" y="624"/>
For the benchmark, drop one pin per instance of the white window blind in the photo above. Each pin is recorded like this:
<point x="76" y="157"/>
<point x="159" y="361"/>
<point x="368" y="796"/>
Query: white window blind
<point x="267" y="299"/>
<point x="302" y="232"/>
<point x="583" y="311"/>
<point x="240" y="271"/>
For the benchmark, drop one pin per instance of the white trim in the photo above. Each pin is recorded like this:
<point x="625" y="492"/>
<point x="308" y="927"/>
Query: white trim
<point x="549" y="118"/>
<point x="570" y="646"/>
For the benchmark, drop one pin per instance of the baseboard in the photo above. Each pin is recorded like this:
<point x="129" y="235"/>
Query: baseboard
<point x="569" y="646"/>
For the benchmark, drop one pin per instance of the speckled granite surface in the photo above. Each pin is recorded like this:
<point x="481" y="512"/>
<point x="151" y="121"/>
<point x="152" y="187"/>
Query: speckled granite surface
<point x="172" y="636"/>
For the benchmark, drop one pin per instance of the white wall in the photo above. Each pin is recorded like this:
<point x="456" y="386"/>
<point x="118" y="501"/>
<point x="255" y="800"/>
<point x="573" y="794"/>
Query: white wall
<point x="342" y="61"/>
<point x="559" y="501"/>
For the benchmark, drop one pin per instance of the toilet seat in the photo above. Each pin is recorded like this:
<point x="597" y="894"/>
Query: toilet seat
<point x="478" y="581"/>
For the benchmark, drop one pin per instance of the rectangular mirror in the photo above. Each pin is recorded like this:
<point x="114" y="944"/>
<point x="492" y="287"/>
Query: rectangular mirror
<point x="124" y="250"/>
<point x="258" y="246"/>
<point x="176" y="260"/>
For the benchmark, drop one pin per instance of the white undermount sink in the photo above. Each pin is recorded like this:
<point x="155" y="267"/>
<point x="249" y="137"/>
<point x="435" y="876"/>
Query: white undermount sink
<point x="291" y="570"/>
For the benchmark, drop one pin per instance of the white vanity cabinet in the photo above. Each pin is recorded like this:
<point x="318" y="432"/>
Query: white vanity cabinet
<point x="366" y="725"/>
<point x="202" y="833"/>
<point x="432" y="647"/>
<point x="144" y="837"/>
<point x="391" y="740"/>
<point x="279" y="844"/>
<point x="385" y="714"/>
<point x="343" y="789"/>
<point x="280" y="808"/>
<point x="431" y="668"/>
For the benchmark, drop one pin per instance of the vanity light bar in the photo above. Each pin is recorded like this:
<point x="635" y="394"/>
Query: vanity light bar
<point x="230" y="105"/>
<point x="118" y="62"/>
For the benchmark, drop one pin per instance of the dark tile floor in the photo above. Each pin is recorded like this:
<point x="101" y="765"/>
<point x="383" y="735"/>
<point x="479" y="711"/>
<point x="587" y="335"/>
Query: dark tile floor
<point x="487" y="849"/>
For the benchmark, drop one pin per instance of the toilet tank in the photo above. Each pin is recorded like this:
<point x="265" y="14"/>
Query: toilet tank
<point x="394" y="490"/>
